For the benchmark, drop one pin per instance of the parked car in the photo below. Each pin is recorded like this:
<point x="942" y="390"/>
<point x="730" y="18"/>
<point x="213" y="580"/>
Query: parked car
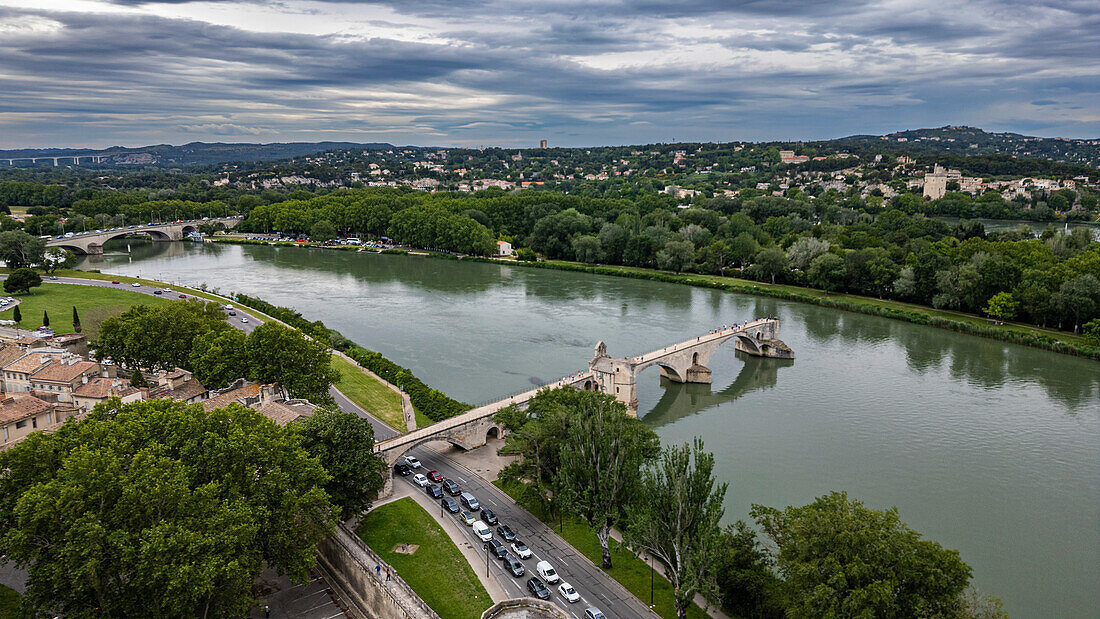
<point x="513" y="565"/>
<point x="413" y="462"/>
<point x="115" y="282"/>
<point x="158" y="292"/>
<point x="505" y="532"/>
<point x="593" y="613"/>
<point x="547" y="572"/>
<point x="537" y="589"/>
<point x="136" y="285"/>
<point x="402" y="469"/>
<point x="183" y="296"/>
<point x="569" y="593"/>
<point x="521" y="550"/>
<point x="434" y="491"/>
<point x="435" y="476"/>
<point x="467" y="518"/>
<point x="488" y="516"/>
<point x="451" y="487"/>
<point x="497" y="549"/>
<point x="469" y="502"/>
<point x="232" y="313"/>
<point x="450" y="505"/>
<point x="421" y="480"/>
<point x="483" y="531"/>
<point x="244" y="319"/>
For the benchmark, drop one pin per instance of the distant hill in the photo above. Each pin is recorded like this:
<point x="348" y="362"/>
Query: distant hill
<point x="193" y="154"/>
<point x="960" y="140"/>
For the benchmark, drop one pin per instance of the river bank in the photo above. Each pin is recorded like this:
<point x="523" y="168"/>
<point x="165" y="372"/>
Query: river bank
<point x="961" y="322"/>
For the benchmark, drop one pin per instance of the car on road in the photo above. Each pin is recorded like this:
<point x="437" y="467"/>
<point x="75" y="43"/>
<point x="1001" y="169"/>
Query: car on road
<point x="244" y="319"/>
<point x="451" y="487"/>
<point x="488" y="516"/>
<point x="569" y="593"/>
<point x="136" y="285"/>
<point x="232" y="313"/>
<point x="434" y="491"/>
<point x="521" y="550"/>
<point x="450" y="505"/>
<point x="593" y="613"/>
<point x="513" y="565"/>
<point x="496" y="548"/>
<point x="505" y="532"/>
<point x="537" y="588"/>
<point x="483" y="531"/>
<point x="183" y="296"/>
<point x="467" y="518"/>
<point x="413" y="462"/>
<point x="421" y="480"/>
<point x="158" y="292"/>
<point x="435" y="476"/>
<point x="402" y="469"/>
<point x="547" y="572"/>
<point x="469" y="502"/>
<point x="116" y="282"/>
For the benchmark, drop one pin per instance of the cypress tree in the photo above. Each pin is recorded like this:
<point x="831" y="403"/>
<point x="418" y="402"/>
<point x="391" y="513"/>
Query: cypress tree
<point x="17" y="316"/>
<point x="76" y="321"/>
<point x="45" y="319"/>
<point x="138" y="381"/>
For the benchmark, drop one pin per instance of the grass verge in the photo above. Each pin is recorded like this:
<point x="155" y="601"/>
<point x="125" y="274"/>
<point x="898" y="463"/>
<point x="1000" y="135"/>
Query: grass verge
<point x="93" y="304"/>
<point x="9" y="603"/>
<point x="371" y="395"/>
<point x="437" y="571"/>
<point x="630" y="571"/>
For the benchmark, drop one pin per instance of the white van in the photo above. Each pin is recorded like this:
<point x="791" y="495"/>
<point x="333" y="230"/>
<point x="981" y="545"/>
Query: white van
<point x="483" y="531"/>
<point x="547" y="572"/>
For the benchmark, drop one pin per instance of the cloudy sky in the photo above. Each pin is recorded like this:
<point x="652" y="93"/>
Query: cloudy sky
<point x="493" y="72"/>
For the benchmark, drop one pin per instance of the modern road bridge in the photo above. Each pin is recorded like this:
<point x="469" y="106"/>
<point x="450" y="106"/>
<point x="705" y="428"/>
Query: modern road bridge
<point x="92" y="243"/>
<point x="684" y="362"/>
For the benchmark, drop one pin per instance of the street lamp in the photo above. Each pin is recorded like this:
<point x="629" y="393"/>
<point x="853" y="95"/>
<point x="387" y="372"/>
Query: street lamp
<point x="651" y="571"/>
<point x="486" y="547"/>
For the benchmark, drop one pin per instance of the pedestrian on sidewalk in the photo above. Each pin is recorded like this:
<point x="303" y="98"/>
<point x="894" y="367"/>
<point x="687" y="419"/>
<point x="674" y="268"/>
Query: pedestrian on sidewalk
<point x="378" y="570"/>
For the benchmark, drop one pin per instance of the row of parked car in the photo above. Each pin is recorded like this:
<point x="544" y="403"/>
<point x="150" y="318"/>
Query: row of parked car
<point x="436" y="486"/>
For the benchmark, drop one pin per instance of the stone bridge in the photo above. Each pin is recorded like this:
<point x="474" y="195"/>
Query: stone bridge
<point x="684" y="362"/>
<point x="92" y="243"/>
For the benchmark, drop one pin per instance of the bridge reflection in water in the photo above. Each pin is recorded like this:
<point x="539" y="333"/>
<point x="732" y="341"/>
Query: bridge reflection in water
<point x="679" y="400"/>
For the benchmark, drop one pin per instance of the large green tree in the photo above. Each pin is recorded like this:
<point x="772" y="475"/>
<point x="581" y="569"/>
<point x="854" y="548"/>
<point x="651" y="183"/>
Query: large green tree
<point x="344" y="443"/>
<point x="158" y="337"/>
<point x="158" y="509"/>
<point x="676" y="520"/>
<point x="302" y="366"/>
<point x="218" y="357"/>
<point x="601" y="463"/>
<point x="19" y="249"/>
<point x="839" y="558"/>
<point x="537" y="434"/>
<point x="21" y="281"/>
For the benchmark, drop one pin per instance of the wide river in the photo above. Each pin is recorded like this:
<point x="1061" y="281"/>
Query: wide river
<point x="986" y="447"/>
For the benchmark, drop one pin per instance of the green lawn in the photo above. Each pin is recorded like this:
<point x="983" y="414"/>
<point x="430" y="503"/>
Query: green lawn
<point x="422" y="420"/>
<point x="9" y="603"/>
<point x="94" y="304"/>
<point x="437" y="571"/>
<point x="373" y="396"/>
<point x="629" y="570"/>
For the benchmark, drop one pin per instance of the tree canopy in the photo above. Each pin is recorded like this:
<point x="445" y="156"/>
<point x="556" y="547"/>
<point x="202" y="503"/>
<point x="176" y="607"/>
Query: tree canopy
<point x="159" y="509"/>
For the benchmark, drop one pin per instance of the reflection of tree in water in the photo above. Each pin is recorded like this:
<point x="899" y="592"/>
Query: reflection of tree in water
<point x="683" y="399"/>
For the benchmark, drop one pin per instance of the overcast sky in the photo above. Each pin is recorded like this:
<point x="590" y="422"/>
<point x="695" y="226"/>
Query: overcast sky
<point x="98" y="73"/>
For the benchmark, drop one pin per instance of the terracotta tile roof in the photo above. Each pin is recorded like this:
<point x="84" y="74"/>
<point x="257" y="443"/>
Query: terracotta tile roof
<point x="102" y="388"/>
<point x="227" y="398"/>
<point x="8" y="354"/>
<point x="64" y="372"/>
<point x="188" y="389"/>
<point x="20" y="407"/>
<point x="30" y="362"/>
<point x="283" y="414"/>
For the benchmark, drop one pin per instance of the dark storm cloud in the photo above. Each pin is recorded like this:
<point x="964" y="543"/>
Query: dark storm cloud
<point x="495" y="71"/>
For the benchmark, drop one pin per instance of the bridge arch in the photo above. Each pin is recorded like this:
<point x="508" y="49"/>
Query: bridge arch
<point x="76" y="249"/>
<point x="156" y="235"/>
<point x="391" y="456"/>
<point x="492" y="432"/>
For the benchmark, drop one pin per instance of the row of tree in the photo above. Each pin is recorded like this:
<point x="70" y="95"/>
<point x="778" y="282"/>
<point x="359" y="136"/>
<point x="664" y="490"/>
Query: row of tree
<point x="582" y="454"/>
<point x="194" y="335"/>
